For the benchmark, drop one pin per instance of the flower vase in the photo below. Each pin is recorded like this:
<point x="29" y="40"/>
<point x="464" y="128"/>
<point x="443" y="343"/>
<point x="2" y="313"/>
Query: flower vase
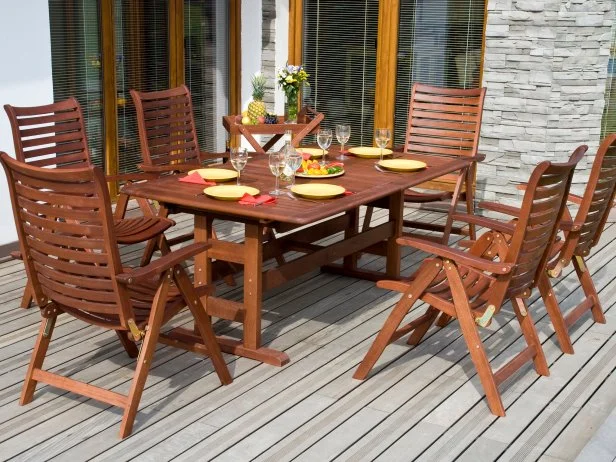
<point x="290" y="108"/>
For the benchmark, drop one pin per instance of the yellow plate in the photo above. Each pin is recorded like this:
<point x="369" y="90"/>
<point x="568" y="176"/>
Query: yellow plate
<point x="314" y="152"/>
<point x="229" y="192"/>
<point x="402" y="165"/>
<point x="369" y="152"/>
<point x="215" y="174"/>
<point x="318" y="190"/>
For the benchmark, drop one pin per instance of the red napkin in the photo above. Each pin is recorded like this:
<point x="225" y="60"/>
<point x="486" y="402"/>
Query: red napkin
<point x="247" y="199"/>
<point x="348" y="193"/>
<point x="195" y="178"/>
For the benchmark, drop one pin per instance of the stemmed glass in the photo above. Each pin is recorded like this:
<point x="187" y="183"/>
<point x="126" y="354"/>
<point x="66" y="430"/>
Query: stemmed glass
<point x="294" y="161"/>
<point x="276" y="164"/>
<point x="343" y="133"/>
<point x="382" y="137"/>
<point x="324" y="138"/>
<point x="239" y="158"/>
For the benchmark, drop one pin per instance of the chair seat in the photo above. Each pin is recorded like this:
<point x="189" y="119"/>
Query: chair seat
<point x="134" y="230"/>
<point x="411" y="195"/>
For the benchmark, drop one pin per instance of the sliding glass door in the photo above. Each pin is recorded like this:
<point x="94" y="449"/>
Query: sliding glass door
<point x="437" y="42"/>
<point x="155" y="44"/>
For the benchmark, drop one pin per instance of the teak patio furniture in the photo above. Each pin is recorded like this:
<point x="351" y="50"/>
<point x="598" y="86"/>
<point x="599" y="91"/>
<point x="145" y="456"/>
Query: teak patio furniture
<point x="326" y="218"/>
<point x="54" y="135"/>
<point x="580" y="236"/>
<point x="65" y="226"/>
<point x="446" y="122"/>
<point x="472" y="289"/>
<point x="308" y="121"/>
<point x="169" y="143"/>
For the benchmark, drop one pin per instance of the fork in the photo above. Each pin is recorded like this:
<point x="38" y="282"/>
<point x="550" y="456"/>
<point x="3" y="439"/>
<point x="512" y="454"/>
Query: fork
<point x="291" y="196"/>
<point x="376" y="166"/>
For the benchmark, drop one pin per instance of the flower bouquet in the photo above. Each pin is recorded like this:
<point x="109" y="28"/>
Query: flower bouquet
<point x="290" y="79"/>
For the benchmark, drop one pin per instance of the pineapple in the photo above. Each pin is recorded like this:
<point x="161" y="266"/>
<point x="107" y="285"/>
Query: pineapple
<point x="256" y="108"/>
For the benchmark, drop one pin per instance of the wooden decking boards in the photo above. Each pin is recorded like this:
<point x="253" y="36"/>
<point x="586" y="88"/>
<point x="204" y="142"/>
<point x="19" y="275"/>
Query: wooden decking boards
<point x="422" y="403"/>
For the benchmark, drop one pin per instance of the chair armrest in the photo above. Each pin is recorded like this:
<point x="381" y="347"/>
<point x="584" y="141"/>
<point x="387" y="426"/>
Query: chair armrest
<point x="164" y="263"/>
<point x="16" y="255"/>
<point x="495" y="225"/>
<point x="456" y="255"/>
<point x="214" y="155"/>
<point x="159" y="169"/>
<point x="129" y="177"/>
<point x="502" y="208"/>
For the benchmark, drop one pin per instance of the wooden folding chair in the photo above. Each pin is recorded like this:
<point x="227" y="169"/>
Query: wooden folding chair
<point x="54" y="136"/>
<point x="444" y="122"/>
<point x="580" y="235"/>
<point x="169" y="143"/>
<point x="472" y="289"/>
<point x="65" y="227"/>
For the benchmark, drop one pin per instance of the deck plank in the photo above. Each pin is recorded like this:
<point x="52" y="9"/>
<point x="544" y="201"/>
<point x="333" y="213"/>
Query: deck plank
<point x="421" y="402"/>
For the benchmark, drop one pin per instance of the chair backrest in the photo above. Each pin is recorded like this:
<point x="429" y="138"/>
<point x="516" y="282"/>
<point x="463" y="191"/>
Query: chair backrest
<point x="598" y="197"/>
<point x="52" y="135"/>
<point x="444" y="121"/>
<point x="65" y="228"/>
<point x="167" y="132"/>
<point x="542" y="209"/>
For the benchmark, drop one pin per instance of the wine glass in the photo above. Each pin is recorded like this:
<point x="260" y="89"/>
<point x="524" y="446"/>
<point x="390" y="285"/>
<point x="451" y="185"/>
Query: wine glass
<point x="294" y="161"/>
<point x="239" y="158"/>
<point x="276" y="164"/>
<point x="382" y="137"/>
<point x="343" y="133"/>
<point x="324" y="138"/>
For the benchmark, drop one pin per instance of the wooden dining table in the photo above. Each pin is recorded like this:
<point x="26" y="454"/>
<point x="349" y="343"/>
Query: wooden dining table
<point x="300" y="224"/>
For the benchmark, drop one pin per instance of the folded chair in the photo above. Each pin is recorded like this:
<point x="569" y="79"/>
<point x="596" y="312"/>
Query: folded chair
<point x="65" y="227"/>
<point x="580" y="235"/>
<point x="54" y="136"/>
<point x="444" y="122"/>
<point x="472" y="289"/>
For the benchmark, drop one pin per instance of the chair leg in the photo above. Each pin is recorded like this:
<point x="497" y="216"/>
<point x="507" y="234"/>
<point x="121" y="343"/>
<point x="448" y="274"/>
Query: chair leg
<point x="203" y="324"/>
<point x="268" y="233"/>
<point x="421" y="330"/>
<point x="425" y="275"/>
<point x="129" y="346"/>
<point x="26" y="298"/>
<point x="470" y="201"/>
<point x="473" y="341"/>
<point x="145" y="356"/>
<point x="530" y="334"/>
<point x="121" y="206"/>
<point x="443" y="320"/>
<point x="556" y="316"/>
<point x="589" y="288"/>
<point x="367" y="219"/>
<point x="152" y="244"/>
<point x="38" y="356"/>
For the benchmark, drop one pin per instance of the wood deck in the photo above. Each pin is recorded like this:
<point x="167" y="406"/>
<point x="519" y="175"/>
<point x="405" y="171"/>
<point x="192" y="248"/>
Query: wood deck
<point x="421" y="403"/>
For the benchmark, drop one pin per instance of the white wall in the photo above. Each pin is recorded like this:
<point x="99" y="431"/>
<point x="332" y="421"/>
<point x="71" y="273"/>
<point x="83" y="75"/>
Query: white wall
<point x="25" y="79"/>
<point x="282" y="47"/>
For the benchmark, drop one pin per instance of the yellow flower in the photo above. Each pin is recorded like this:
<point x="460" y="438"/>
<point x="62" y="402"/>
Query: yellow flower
<point x="289" y="79"/>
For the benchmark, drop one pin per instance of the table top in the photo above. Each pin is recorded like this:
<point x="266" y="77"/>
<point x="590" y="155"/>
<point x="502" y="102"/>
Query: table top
<point x="360" y="177"/>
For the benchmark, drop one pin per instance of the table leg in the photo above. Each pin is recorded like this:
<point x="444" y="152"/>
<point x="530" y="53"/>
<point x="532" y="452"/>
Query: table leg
<point x="396" y="215"/>
<point x="250" y="347"/>
<point x="350" y="261"/>
<point x="253" y="287"/>
<point x="203" y="263"/>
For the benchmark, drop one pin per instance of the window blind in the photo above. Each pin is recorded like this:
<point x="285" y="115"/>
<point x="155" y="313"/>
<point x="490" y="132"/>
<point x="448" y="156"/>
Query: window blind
<point x="439" y="43"/>
<point x="206" y="61"/>
<point x="142" y="63"/>
<point x="76" y="63"/>
<point x="339" y="53"/>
